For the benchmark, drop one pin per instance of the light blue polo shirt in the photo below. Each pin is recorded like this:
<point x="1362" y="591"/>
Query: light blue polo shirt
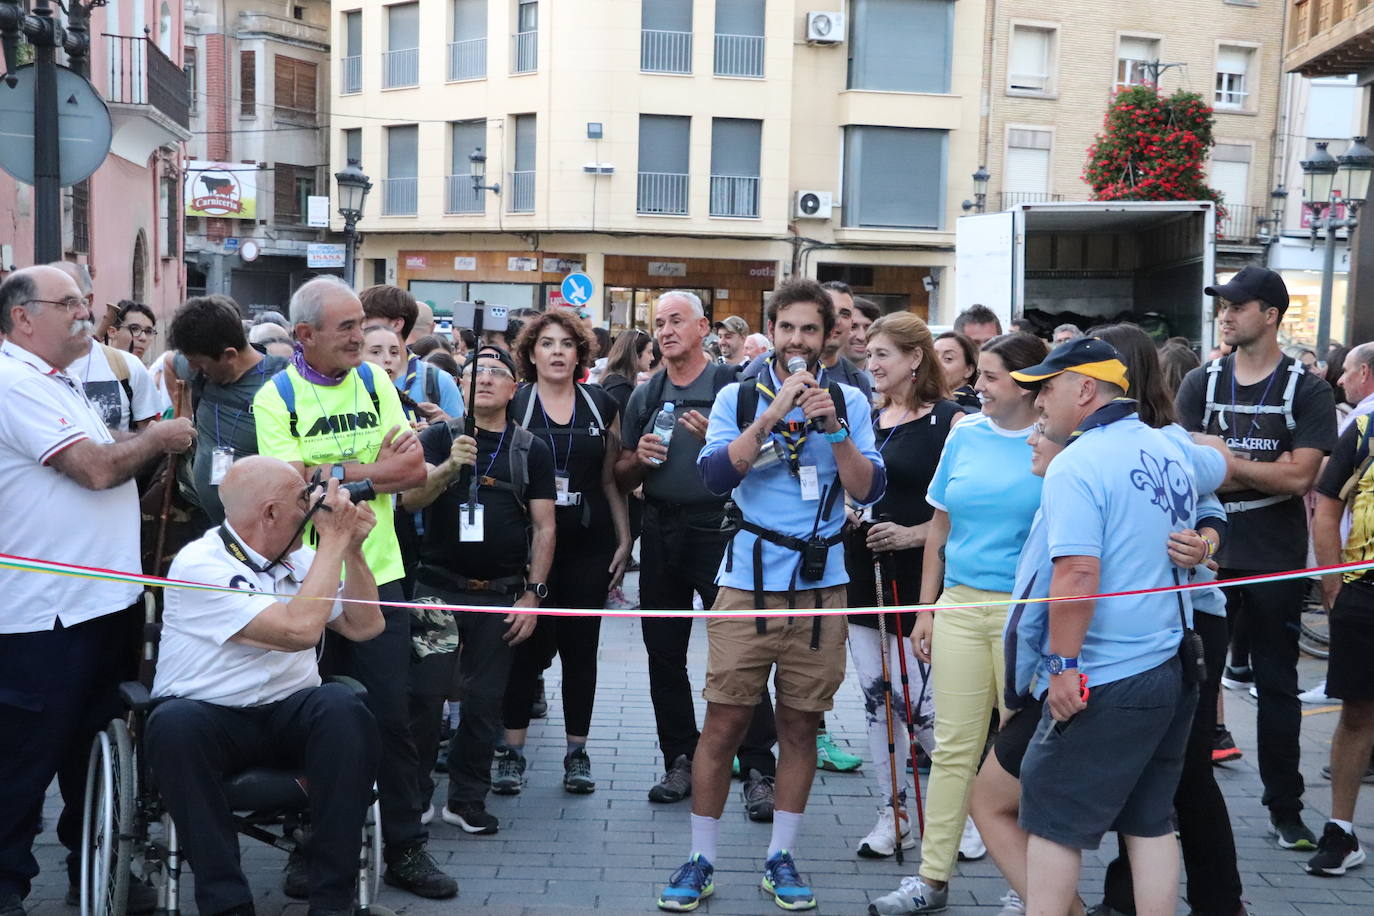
<point x="1116" y="494"/>
<point x="1208" y="600"/>
<point x="771" y="497"/>
<point x="984" y="482"/>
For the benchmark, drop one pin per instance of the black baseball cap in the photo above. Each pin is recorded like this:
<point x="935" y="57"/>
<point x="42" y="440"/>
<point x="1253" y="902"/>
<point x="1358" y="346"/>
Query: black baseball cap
<point x="1254" y="282"/>
<point x="1085" y="355"/>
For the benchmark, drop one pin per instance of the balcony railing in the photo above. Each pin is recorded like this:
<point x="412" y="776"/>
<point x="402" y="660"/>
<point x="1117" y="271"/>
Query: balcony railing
<point x="351" y="79"/>
<point x="467" y="60"/>
<point x="524" y="52"/>
<point x="663" y="193"/>
<point x="1241" y="223"/>
<point x="400" y="68"/>
<point x="733" y="195"/>
<point x="138" y="73"/>
<point x="399" y="196"/>
<point x="739" y="55"/>
<point x="1014" y="198"/>
<point x="520" y="192"/>
<point x="462" y="197"/>
<point x="665" y="52"/>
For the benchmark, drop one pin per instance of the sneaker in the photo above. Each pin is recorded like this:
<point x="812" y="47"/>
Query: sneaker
<point x="676" y="784"/>
<point x="577" y="773"/>
<point x="1224" y="748"/>
<point x="912" y="897"/>
<point x="142" y="898"/>
<point x="11" y="905"/>
<point x="830" y="757"/>
<point x="1012" y="904"/>
<point x="734" y="768"/>
<point x="1367" y="778"/>
<point x="1317" y="695"/>
<point x="428" y="816"/>
<point x="539" y="707"/>
<point x="295" y="877"/>
<point x="1292" y="832"/>
<point x="688" y="886"/>
<point x="1254" y="692"/>
<point x="785" y="883"/>
<point x="971" y="847"/>
<point x="881" y="841"/>
<point x="1237" y="678"/>
<point x="415" y="871"/>
<point x="510" y="772"/>
<point x="617" y="601"/>
<point x="757" y="795"/>
<point x="1338" y="852"/>
<point x="1102" y="909"/>
<point x="470" y="817"/>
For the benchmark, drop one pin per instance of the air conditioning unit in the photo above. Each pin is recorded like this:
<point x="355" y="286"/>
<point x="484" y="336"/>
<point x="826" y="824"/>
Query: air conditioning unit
<point x="812" y="205"/>
<point x="825" y="27"/>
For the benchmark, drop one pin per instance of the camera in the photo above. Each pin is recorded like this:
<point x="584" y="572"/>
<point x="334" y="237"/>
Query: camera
<point x="359" y="491"/>
<point x="814" y="556"/>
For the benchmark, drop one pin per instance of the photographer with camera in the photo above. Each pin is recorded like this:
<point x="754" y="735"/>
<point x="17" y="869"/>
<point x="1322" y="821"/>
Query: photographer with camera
<point x="239" y="686"/>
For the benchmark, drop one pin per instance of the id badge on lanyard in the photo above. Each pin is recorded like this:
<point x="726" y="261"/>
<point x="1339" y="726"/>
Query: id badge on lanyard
<point x="471" y="523"/>
<point x="221" y="459"/>
<point x="810" y="482"/>
<point x="562" y="496"/>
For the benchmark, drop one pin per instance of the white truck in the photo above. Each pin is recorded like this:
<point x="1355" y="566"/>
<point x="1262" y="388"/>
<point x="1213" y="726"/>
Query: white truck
<point x="1101" y="260"/>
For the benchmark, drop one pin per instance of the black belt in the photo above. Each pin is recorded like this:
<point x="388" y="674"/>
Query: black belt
<point x="442" y="578"/>
<point x="791" y="543"/>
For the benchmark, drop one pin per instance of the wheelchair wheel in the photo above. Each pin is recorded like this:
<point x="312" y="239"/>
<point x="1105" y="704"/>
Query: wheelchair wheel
<point x="370" y="874"/>
<point x="107" y="828"/>
<point x="1314" y="637"/>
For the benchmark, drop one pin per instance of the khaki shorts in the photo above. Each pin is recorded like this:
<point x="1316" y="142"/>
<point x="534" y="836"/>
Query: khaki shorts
<point x="739" y="657"/>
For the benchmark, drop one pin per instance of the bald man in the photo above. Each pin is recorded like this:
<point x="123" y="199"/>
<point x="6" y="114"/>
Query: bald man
<point x="66" y="494"/>
<point x="240" y="687"/>
<point x="424" y="322"/>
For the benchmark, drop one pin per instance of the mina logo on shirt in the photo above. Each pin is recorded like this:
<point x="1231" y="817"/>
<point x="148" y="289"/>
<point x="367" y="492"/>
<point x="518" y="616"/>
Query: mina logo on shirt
<point x="342" y="423"/>
<point x="1167" y="485"/>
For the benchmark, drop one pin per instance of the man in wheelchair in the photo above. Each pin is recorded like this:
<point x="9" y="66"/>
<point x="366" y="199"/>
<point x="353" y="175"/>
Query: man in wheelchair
<point x="238" y="683"/>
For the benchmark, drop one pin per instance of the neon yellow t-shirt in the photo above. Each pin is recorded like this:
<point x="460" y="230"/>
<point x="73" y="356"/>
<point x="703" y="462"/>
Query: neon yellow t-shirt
<point x="336" y="424"/>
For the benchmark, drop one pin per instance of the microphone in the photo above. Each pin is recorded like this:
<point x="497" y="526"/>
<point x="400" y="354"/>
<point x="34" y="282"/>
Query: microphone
<point x="797" y="364"/>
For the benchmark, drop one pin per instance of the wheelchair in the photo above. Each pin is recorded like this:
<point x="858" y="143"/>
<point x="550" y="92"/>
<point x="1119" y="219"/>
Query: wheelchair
<point x="127" y="832"/>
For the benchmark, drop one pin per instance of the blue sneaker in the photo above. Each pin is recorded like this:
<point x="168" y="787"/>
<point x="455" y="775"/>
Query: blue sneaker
<point x="784" y="882"/>
<point x="688" y="886"/>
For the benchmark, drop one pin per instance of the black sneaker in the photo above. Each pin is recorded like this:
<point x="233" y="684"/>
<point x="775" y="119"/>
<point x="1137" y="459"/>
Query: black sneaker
<point x="1238" y="677"/>
<point x="416" y="872"/>
<point x="1292" y="832"/>
<point x="295" y="878"/>
<point x="470" y="817"/>
<point x="1337" y="852"/>
<point x="676" y="784"/>
<point x="758" y="797"/>
<point x="577" y="773"/>
<point x="1224" y="748"/>
<point x="539" y="708"/>
<point x="11" y="905"/>
<point x="510" y="772"/>
<point x="1367" y="778"/>
<point x="142" y="897"/>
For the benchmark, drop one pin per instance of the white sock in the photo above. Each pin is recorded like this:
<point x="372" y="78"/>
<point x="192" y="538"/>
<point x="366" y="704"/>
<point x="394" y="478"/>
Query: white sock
<point x="705" y="831"/>
<point x="1344" y="825"/>
<point x="785" y="827"/>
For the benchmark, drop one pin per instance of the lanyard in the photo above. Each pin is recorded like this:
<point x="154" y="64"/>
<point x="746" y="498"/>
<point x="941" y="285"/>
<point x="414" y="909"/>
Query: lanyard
<point x="891" y="432"/>
<point x="247" y="407"/>
<point x="560" y="470"/>
<point x="1254" y="418"/>
<point x="352" y="451"/>
<point x="494" y="455"/>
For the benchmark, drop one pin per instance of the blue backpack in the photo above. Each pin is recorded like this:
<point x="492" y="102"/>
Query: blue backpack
<point x="288" y="393"/>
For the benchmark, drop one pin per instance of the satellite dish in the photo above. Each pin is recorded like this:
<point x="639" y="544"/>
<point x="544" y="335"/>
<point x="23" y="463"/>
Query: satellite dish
<point x="83" y="127"/>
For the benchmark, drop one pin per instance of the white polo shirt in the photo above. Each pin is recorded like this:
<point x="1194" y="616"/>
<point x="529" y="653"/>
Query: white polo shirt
<point x="46" y="515"/>
<point x="197" y="659"/>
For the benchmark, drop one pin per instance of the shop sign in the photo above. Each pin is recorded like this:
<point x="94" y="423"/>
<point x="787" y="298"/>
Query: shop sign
<point x="556" y="299"/>
<point x="221" y="190"/>
<point x="464" y="263"/>
<point x="562" y="266"/>
<point x="324" y="254"/>
<point x="667" y="269"/>
<point x="768" y="270"/>
<point x="417" y="262"/>
<point x="317" y="211"/>
<point x="522" y="265"/>
<point x="722" y="294"/>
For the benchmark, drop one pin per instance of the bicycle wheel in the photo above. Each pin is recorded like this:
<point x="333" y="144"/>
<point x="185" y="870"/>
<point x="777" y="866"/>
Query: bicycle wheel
<point x="1314" y="637"/>
<point x="107" y="840"/>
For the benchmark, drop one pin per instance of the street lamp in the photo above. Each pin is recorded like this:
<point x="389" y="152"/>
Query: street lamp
<point x="1326" y="182"/>
<point x="353" y="188"/>
<point x="1273" y="223"/>
<point x="479" y="171"/>
<point x="980" y="190"/>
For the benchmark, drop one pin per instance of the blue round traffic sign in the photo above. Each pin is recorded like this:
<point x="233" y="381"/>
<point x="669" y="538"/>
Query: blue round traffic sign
<point x="577" y="289"/>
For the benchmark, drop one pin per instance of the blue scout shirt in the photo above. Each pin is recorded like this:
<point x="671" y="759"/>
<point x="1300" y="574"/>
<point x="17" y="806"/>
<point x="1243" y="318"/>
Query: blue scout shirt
<point x="771" y="497"/>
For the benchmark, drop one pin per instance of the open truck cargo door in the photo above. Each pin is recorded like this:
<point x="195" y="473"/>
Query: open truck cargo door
<point x="985" y="263"/>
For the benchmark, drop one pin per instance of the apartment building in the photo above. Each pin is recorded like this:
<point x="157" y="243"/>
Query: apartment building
<point x="259" y="77"/>
<point x="716" y="145"/>
<point x="1053" y="69"/>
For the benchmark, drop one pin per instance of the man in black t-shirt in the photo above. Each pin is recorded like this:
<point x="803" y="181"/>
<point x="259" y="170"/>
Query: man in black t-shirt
<point x="1280" y="420"/>
<point x="494" y="552"/>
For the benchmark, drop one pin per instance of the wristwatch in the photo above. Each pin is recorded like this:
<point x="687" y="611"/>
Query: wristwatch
<point x="1058" y="664"/>
<point x="337" y="472"/>
<point x="541" y="591"/>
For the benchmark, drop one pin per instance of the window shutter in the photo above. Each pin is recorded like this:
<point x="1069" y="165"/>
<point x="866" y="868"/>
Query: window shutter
<point x="1138" y="49"/>
<point x="1232" y="179"/>
<point x="305" y="86"/>
<point x="1028" y="171"/>
<point x="1029" y="58"/>
<point x="284" y="85"/>
<point x="248" y="84"/>
<point x="1233" y="60"/>
<point x="286" y="206"/>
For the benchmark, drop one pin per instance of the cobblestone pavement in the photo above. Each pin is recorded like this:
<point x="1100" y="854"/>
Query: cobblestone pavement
<point x="611" y="851"/>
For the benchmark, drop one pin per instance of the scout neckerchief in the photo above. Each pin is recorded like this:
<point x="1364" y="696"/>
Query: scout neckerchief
<point x="1119" y="409"/>
<point x="792" y="432"/>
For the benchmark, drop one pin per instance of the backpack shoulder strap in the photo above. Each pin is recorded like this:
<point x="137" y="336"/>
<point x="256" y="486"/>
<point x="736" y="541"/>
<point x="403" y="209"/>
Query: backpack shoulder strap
<point x="725" y="374"/>
<point x="746" y="403"/>
<point x="520" y="442"/>
<point x="117" y="364"/>
<point x="1214" y="370"/>
<point x="531" y="393"/>
<point x="432" y="393"/>
<point x="1295" y="371"/>
<point x="370" y="383"/>
<point x="591" y="404"/>
<point x="288" y="397"/>
<point x="1363" y="460"/>
<point x="656" y="386"/>
<point x="837" y="396"/>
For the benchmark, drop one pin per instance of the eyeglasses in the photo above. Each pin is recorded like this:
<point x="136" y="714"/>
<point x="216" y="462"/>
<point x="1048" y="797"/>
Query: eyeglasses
<point x="70" y="304"/>
<point x="494" y="371"/>
<point x="140" y="330"/>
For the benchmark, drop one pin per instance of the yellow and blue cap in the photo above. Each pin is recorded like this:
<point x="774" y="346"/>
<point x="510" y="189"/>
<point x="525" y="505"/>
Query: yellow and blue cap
<point x="1087" y="356"/>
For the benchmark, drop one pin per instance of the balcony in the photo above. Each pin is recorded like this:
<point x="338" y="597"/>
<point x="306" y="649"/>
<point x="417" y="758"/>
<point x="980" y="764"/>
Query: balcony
<point x="148" y="97"/>
<point x="399" y="196"/>
<point x="662" y="194"/>
<point x="467" y="60"/>
<point x="733" y="195"/>
<point x="1016" y="198"/>
<point x="401" y="68"/>
<point x="351" y="74"/>
<point x="461" y="197"/>
<point x="1240" y="224"/>
<point x="665" y="52"/>
<point x="524" y="57"/>
<point x="739" y="55"/>
<point x="519" y="192"/>
<point x="1329" y="37"/>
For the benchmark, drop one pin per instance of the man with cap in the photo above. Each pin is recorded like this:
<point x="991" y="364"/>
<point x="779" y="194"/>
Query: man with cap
<point x="1115" y="671"/>
<point x="730" y="334"/>
<point x="1280" y="420"/>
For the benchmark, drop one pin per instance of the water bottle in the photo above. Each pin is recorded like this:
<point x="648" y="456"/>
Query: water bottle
<point x="664" y="422"/>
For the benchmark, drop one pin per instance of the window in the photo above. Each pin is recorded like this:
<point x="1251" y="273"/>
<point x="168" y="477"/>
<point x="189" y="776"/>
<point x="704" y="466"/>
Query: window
<point x="464" y="138"/>
<point x="169" y="212"/>
<point x="353" y="145"/>
<point x="467" y="52"/>
<point x="1231" y="176"/>
<point x="353" y="52"/>
<point x="295" y="88"/>
<point x="400" y="189"/>
<point x="189" y="56"/>
<point x="735" y="166"/>
<point x="901" y="45"/>
<point x="1032" y="59"/>
<point x="665" y="38"/>
<point x="739" y="38"/>
<point x="664" y="142"/>
<point x="1131" y="57"/>
<point x="81" y="216"/>
<point x="1233" y="68"/>
<point x="880" y="164"/>
<point x="248" y="84"/>
<point x="401" y="60"/>
<point x="520" y="197"/>
<point x="293" y="186"/>
<point x="525" y="42"/>
<point x="1027" y="178"/>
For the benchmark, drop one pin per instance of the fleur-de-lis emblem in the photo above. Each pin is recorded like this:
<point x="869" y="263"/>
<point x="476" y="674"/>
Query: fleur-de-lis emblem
<point x="1167" y="485"/>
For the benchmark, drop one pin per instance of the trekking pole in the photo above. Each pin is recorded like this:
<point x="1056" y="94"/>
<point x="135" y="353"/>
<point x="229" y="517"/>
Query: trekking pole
<point x="169" y="485"/>
<point x="152" y="610"/>
<point x="887" y="704"/>
<point x="910" y="721"/>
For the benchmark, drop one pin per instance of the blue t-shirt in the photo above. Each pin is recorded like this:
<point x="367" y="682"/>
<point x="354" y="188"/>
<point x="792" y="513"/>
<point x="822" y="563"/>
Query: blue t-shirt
<point x="1116" y="494"/>
<point x="414" y="385"/>
<point x="1207" y="600"/>
<point x="984" y="482"/>
<point x="771" y="497"/>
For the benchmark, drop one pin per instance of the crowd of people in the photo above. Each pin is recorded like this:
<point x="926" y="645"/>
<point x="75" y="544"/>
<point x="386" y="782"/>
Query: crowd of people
<point x="363" y="490"/>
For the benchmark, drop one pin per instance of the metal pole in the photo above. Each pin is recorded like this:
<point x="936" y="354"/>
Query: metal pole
<point x="47" y="187"/>
<point x="1328" y="282"/>
<point x="350" y="236"/>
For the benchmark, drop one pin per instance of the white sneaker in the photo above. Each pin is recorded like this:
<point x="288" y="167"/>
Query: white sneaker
<point x="912" y="898"/>
<point x="1254" y="692"/>
<point x="881" y="841"/>
<point x="1012" y="904"/>
<point x="971" y="847"/>
<point x="428" y="815"/>
<point x="616" y="600"/>
<point x="1317" y="695"/>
